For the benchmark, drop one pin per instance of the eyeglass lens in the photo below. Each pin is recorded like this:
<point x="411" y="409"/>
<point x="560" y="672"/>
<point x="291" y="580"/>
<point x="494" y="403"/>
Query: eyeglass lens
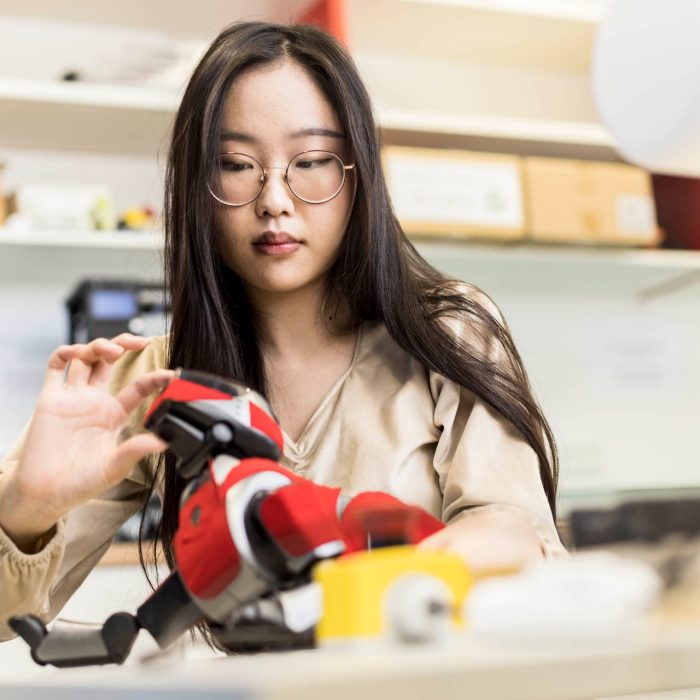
<point x="314" y="176"/>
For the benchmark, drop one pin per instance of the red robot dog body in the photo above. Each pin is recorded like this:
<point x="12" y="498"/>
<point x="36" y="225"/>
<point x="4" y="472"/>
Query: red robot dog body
<point x="248" y="527"/>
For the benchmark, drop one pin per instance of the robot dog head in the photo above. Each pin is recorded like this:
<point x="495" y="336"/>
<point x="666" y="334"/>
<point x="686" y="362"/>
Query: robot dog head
<point x="201" y="416"/>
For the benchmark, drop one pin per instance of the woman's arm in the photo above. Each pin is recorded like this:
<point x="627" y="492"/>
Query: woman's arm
<point x="70" y="481"/>
<point x="494" y="502"/>
<point x="490" y="538"/>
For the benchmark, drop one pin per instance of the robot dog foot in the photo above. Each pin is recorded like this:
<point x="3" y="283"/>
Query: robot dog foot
<point x="78" y="645"/>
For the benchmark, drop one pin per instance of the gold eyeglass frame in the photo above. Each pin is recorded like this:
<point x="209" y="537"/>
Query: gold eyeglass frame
<point x="266" y="174"/>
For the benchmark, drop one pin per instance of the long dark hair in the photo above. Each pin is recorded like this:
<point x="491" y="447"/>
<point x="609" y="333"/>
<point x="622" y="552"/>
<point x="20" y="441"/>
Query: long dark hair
<point x="378" y="274"/>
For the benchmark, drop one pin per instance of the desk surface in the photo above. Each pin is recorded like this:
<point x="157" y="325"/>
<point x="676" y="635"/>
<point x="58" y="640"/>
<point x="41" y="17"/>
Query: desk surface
<point x="467" y="668"/>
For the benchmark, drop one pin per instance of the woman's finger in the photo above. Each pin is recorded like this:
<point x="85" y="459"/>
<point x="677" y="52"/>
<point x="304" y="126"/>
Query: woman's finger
<point x="93" y="356"/>
<point x="97" y="350"/>
<point x="79" y="365"/>
<point x="78" y="371"/>
<point x="129" y="341"/>
<point x="129" y="453"/>
<point x="58" y="361"/>
<point x="107" y="353"/>
<point x="101" y="373"/>
<point x="135" y="392"/>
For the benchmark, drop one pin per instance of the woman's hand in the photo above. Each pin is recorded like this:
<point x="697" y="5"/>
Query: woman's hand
<point x="488" y="539"/>
<point x="72" y="450"/>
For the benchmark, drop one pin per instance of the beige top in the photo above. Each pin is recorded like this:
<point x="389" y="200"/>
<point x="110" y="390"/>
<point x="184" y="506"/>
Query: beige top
<point x="387" y="424"/>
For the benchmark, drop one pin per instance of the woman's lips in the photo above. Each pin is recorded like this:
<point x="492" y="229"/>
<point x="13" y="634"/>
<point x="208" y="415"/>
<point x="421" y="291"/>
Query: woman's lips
<point x="277" y="248"/>
<point x="270" y="243"/>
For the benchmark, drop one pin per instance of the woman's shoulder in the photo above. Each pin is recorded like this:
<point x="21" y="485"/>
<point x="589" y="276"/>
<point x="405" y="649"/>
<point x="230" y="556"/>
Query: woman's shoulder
<point x="385" y="371"/>
<point x="458" y="295"/>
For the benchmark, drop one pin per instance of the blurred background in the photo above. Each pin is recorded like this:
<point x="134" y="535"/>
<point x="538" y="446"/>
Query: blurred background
<point x="499" y="166"/>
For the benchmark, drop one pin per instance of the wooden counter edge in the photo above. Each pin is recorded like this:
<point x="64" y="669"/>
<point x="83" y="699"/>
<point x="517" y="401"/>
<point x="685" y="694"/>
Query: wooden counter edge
<point x="127" y="554"/>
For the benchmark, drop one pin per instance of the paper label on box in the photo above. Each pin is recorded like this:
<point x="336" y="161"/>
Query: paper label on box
<point x="634" y="214"/>
<point x="449" y="191"/>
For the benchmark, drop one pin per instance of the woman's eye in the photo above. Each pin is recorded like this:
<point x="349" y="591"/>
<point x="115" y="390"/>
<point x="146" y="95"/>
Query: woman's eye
<point x="233" y="167"/>
<point x="310" y="163"/>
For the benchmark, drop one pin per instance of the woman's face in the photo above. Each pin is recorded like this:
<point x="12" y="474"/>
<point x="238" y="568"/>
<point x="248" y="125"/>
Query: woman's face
<point x="279" y="243"/>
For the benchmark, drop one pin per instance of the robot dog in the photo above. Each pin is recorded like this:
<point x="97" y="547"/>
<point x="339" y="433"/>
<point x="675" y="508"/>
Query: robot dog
<point x="249" y="536"/>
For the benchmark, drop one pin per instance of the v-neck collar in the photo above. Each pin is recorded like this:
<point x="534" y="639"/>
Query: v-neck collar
<point x="299" y="445"/>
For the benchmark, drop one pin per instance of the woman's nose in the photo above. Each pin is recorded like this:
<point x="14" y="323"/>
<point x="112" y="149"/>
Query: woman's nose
<point x="276" y="198"/>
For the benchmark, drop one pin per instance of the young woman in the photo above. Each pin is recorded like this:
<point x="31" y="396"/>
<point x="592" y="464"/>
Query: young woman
<point x="289" y="272"/>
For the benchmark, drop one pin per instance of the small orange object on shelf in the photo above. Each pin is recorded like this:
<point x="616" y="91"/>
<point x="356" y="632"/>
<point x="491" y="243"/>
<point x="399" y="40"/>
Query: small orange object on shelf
<point x="328" y="14"/>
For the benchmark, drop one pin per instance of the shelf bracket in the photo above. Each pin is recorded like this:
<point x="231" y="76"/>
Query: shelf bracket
<point x="671" y="286"/>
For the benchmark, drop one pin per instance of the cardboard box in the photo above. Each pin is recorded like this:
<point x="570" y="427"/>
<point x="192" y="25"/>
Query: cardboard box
<point x="589" y="202"/>
<point x="456" y="193"/>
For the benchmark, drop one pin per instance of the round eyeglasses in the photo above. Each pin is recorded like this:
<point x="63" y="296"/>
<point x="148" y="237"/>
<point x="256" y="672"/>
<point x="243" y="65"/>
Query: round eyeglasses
<point x="314" y="177"/>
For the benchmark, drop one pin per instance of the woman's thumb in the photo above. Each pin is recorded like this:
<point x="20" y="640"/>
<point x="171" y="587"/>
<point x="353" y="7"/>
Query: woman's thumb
<point x="130" y="452"/>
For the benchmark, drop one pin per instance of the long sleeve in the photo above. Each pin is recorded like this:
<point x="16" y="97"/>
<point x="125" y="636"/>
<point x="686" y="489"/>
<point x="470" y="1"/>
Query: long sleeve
<point x="40" y="583"/>
<point x="26" y="578"/>
<point x="482" y="461"/>
<point x="480" y="458"/>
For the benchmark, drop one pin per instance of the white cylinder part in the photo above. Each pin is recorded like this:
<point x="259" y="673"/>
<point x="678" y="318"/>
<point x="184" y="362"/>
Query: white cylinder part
<point x="418" y="609"/>
<point x="646" y="82"/>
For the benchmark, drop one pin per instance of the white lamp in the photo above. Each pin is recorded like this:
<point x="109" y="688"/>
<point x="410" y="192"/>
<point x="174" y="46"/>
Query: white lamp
<point x="646" y="82"/>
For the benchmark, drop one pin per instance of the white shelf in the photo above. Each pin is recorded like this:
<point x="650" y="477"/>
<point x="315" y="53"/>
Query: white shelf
<point x="124" y="240"/>
<point x="204" y="18"/>
<point x="85" y="117"/>
<point x="526" y="253"/>
<point x="554" y="270"/>
<point x="519" y="253"/>
<point x="524" y="136"/>
<point x="502" y="75"/>
<point x="502" y="128"/>
<point x="141" y="98"/>
<point x="135" y="119"/>
<point x="583" y="11"/>
<point x="59" y="259"/>
<point x="543" y="34"/>
<point x="64" y="256"/>
<point x="441" y="43"/>
<point x="209" y="16"/>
